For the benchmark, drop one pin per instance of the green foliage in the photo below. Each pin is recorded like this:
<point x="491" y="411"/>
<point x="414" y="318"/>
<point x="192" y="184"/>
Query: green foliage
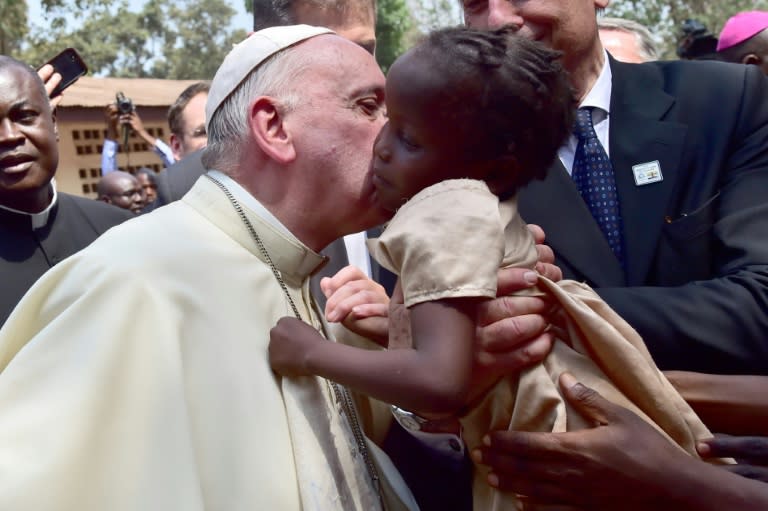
<point x="393" y="24"/>
<point x="13" y="25"/>
<point x="433" y="14"/>
<point x="196" y="45"/>
<point x="185" y="39"/>
<point x="92" y="39"/>
<point x="400" y="23"/>
<point x="664" y="18"/>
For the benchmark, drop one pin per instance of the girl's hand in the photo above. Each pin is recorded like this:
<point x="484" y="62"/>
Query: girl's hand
<point x="289" y="342"/>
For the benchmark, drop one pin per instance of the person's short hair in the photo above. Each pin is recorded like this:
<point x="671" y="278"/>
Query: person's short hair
<point x="228" y="127"/>
<point x="646" y="45"/>
<point x="272" y="13"/>
<point x="107" y="181"/>
<point x="524" y="107"/>
<point x="151" y="174"/>
<point x="275" y="13"/>
<point x="696" y="42"/>
<point x="178" y="106"/>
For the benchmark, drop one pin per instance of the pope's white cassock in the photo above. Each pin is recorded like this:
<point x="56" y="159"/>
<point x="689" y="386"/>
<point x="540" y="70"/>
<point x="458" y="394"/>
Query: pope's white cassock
<point x="135" y="375"/>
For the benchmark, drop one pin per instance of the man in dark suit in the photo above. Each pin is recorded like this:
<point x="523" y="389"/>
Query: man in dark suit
<point x="688" y="146"/>
<point x="176" y="180"/>
<point x="38" y="226"/>
<point x="186" y="119"/>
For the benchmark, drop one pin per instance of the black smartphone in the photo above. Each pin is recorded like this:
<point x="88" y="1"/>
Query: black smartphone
<point x="70" y="66"/>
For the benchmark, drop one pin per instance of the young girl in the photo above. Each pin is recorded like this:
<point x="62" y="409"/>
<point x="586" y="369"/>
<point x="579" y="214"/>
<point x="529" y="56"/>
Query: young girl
<point x="473" y="116"/>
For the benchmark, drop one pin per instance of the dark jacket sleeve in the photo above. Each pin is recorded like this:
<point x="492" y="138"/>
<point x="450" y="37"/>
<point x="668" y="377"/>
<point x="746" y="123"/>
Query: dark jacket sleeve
<point x="99" y="215"/>
<point x="177" y="180"/>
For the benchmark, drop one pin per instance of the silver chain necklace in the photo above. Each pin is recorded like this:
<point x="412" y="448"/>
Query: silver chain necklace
<point x="341" y="394"/>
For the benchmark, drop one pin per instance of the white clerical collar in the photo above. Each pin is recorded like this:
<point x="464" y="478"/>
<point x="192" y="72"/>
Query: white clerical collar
<point x="245" y="198"/>
<point x="38" y="219"/>
<point x="599" y="96"/>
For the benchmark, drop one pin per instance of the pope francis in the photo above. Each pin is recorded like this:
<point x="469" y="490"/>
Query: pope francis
<point x="135" y="373"/>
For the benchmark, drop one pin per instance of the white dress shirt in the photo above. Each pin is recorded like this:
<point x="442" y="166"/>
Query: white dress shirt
<point x="599" y="97"/>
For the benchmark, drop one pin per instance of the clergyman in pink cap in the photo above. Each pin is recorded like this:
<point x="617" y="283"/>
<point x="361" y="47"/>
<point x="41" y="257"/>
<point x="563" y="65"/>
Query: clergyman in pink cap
<point x="744" y="39"/>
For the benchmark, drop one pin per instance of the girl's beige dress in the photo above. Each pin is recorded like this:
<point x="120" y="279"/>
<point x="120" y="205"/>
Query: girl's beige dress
<point x="449" y="241"/>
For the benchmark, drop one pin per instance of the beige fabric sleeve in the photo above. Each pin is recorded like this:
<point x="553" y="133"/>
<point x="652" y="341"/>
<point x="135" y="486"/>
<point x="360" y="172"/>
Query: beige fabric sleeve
<point x="446" y="242"/>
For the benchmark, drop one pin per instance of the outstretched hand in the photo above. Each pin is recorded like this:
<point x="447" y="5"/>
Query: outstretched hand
<point x="751" y="453"/>
<point x="289" y="343"/>
<point x="595" y="468"/>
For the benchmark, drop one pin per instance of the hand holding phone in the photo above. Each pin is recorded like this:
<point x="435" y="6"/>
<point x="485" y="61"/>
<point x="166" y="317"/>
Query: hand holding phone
<point x="70" y="66"/>
<point x="51" y="79"/>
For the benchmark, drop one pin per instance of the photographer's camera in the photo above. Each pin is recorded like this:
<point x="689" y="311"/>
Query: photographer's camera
<point x="124" y="105"/>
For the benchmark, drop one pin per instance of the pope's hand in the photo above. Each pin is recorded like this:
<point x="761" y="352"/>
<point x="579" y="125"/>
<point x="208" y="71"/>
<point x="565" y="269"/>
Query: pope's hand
<point x="357" y="302"/>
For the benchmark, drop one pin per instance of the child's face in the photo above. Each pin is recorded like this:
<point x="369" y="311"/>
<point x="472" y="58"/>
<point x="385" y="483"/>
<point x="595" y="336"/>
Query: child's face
<point x="422" y="143"/>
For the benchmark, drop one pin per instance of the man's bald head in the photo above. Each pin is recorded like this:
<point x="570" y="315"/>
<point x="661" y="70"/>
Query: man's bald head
<point x="122" y="190"/>
<point x="7" y="62"/>
<point x="29" y="152"/>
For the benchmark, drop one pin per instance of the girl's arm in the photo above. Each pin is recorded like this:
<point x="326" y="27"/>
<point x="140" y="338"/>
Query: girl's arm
<point x="432" y="378"/>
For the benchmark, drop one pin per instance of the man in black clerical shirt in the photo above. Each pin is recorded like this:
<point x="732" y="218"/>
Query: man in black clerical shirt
<point x="38" y="226"/>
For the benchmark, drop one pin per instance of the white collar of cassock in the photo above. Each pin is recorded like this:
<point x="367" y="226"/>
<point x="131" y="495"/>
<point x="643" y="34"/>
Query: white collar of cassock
<point x="245" y="198"/>
<point x="38" y="219"/>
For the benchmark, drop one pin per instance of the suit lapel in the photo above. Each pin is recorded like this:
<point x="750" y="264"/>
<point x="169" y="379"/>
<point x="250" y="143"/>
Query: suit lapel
<point x="638" y="134"/>
<point x="555" y="204"/>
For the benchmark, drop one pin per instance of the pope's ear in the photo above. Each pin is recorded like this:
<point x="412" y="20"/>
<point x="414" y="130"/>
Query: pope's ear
<point x="267" y="123"/>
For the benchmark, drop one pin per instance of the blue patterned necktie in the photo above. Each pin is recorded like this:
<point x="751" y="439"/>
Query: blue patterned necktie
<point x="593" y="175"/>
